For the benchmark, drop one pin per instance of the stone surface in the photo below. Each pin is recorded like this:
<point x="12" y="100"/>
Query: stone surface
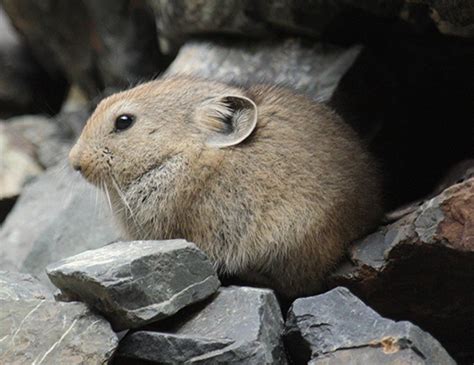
<point x="17" y="286"/>
<point x="420" y="268"/>
<point x="17" y="161"/>
<point x="315" y="70"/>
<point x="138" y="282"/>
<point x="239" y="325"/>
<point x="25" y="87"/>
<point x="57" y="215"/>
<point x="96" y="44"/>
<point x="48" y="332"/>
<point x="338" y="328"/>
<point x="177" y="20"/>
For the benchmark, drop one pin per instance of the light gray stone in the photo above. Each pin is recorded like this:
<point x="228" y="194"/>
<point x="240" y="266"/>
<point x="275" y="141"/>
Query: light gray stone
<point x="239" y="325"/>
<point x="315" y="70"/>
<point x="338" y="328"/>
<point x="137" y="282"/>
<point x="18" y="286"/>
<point x="47" y="332"/>
<point x="57" y="215"/>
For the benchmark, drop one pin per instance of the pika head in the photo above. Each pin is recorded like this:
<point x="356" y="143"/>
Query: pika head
<point x="270" y="184"/>
<point x="135" y="131"/>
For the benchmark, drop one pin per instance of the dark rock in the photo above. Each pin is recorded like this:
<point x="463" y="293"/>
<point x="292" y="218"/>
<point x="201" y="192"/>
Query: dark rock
<point x="95" y="44"/>
<point x="450" y="17"/>
<point x="17" y="286"/>
<point x="177" y="20"/>
<point x="57" y="215"/>
<point x="420" y="268"/>
<point x="239" y="325"/>
<point x="338" y="328"/>
<point x="138" y="282"/>
<point x="315" y="70"/>
<point x="48" y="332"/>
<point x="25" y="87"/>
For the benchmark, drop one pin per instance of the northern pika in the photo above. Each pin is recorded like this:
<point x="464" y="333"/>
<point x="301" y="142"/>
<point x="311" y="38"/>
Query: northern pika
<point x="271" y="185"/>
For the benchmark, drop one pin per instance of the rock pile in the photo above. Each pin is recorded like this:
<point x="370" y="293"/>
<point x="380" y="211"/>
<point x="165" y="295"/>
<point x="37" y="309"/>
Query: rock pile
<point x="398" y="72"/>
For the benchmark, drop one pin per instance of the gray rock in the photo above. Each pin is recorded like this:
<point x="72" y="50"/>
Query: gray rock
<point x="338" y="328"/>
<point x="57" y="215"/>
<point x="116" y="44"/>
<point x="315" y="70"/>
<point x="137" y="282"/>
<point x="48" y="332"/>
<point x="414" y="267"/>
<point x="17" y="286"/>
<point x="239" y="325"/>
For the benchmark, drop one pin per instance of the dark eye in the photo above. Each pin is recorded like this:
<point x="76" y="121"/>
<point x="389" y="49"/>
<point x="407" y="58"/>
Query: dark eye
<point x="123" y="122"/>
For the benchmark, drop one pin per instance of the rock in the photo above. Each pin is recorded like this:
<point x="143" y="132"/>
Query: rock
<point x="420" y="269"/>
<point x="16" y="286"/>
<point x="138" y="282"/>
<point x="177" y="20"/>
<point x="25" y="87"/>
<point x="18" y="161"/>
<point x="455" y="18"/>
<point x="338" y="328"/>
<point x="48" y="332"/>
<point x="117" y="44"/>
<point x="315" y="70"/>
<point x="238" y="325"/>
<point x="57" y="215"/>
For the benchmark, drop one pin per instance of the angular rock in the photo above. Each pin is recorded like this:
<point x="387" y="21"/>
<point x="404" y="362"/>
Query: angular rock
<point x="18" y="162"/>
<point x="138" y="282"/>
<point x="17" y="286"/>
<point x="57" y="215"/>
<point x="315" y="70"/>
<point x="420" y="268"/>
<point x="25" y="87"/>
<point x="116" y="44"/>
<point x="338" y="328"/>
<point x="238" y="325"/>
<point x="48" y="332"/>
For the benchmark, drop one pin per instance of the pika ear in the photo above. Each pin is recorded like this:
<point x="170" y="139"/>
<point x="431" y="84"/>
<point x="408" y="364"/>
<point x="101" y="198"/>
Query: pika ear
<point x="228" y="119"/>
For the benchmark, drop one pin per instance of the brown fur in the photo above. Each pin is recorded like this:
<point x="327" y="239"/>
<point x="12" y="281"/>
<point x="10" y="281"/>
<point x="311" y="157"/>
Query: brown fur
<point x="277" y="209"/>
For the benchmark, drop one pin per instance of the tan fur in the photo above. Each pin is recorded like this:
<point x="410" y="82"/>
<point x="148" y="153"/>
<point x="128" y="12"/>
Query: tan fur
<point x="277" y="209"/>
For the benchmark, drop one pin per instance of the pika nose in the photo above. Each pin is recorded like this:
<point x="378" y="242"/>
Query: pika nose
<point x="76" y="166"/>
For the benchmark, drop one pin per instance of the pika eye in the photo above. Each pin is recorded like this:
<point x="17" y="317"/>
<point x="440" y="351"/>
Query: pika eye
<point x="123" y="122"/>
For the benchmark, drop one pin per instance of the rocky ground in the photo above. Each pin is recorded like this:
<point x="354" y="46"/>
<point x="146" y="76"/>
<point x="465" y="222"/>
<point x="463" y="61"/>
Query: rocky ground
<point x="399" y="72"/>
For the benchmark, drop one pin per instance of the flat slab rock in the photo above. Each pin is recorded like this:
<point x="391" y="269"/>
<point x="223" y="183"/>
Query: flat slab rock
<point x="239" y="325"/>
<point x="420" y="268"/>
<point x="138" y="282"/>
<point x="47" y="332"/>
<point x="338" y="328"/>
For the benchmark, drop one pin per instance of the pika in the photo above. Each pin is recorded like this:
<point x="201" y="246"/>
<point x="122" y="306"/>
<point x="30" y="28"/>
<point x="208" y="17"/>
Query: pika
<point x="270" y="184"/>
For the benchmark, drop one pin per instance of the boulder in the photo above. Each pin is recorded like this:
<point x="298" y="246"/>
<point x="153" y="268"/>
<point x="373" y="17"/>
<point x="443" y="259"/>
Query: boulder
<point x="138" y="282"/>
<point x="96" y="44"/>
<point x="57" y="215"/>
<point x="177" y="20"/>
<point x="25" y="87"/>
<point x="338" y="328"/>
<point x="238" y="325"/>
<point x="47" y="332"/>
<point x="420" y="268"/>
<point x="315" y="70"/>
<point x="17" y="286"/>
